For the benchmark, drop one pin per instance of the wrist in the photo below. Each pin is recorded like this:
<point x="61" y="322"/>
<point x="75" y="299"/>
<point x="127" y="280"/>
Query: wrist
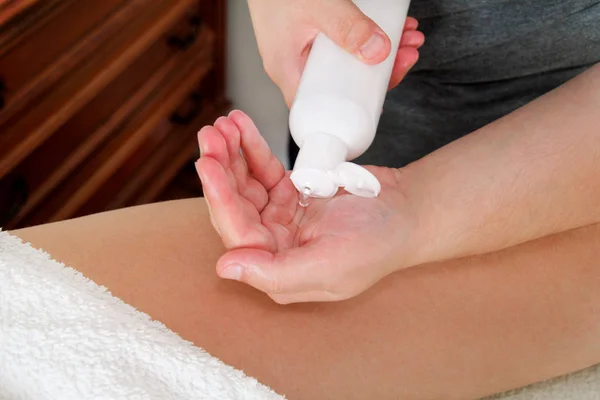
<point x="413" y="239"/>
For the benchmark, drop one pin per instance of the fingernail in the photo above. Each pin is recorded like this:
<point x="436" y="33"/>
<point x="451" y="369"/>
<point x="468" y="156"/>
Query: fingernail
<point x="233" y="272"/>
<point x="373" y="46"/>
<point x="202" y="148"/>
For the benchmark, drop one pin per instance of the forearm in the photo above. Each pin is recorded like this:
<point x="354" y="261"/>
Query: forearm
<point x="455" y="330"/>
<point x="530" y="174"/>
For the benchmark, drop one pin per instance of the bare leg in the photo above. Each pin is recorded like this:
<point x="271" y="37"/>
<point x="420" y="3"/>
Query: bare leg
<point x="455" y="330"/>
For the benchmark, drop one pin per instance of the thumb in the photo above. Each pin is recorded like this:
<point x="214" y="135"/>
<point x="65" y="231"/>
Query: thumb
<point x="292" y="271"/>
<point x="346" y="25"/>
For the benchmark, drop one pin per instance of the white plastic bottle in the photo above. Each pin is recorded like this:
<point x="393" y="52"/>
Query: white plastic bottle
<point x="337" y="107"/>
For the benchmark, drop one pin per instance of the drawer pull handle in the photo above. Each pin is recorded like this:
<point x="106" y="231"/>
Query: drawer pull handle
<point x="13" y="198"/>
<point x="186" y="41"/>
<point x="187" y="118"/>
<point x="2" y="93"/>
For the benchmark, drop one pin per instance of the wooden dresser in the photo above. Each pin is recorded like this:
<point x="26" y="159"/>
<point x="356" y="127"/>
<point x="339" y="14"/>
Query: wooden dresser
<point x="100" y="101"/>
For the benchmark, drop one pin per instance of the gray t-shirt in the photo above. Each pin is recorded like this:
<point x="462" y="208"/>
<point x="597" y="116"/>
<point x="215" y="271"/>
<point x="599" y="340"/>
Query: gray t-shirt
<point x="482" y="59"/>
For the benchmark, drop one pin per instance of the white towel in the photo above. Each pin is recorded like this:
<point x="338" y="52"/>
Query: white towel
<point x="64" y="337"/>
<point x="582" y="385"/>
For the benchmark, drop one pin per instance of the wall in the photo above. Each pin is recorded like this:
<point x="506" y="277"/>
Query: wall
<point x="249" y="87"/>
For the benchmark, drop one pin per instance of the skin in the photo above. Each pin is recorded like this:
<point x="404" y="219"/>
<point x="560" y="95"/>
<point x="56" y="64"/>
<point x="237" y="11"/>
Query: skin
<point x="527" y="175"/>
<point x="285" y="31"/>
<point x="277" y="245"/>
<point x="442" y="207"/>
<point x="453" y="330"/>
<point x="520" y="178"/>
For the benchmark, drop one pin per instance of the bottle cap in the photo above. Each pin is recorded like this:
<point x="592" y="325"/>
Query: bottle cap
<point x="320" y="170"/>
<point x="357" y="180"/>
<point x="353" y="178"/>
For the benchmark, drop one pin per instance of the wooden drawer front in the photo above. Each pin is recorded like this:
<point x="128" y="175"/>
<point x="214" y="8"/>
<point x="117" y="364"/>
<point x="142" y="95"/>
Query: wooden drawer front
<point x="11" y="8"/>
<point x="150" y="169"/>
<point x="56" y="159"/>
<point x="38" y="53"/>
<point x="14" y="191"/>
<point x="27" y="130"/>
<point x="141" y="128"/>
<point x="15" y="29"/>
<point x="113" y="107"/>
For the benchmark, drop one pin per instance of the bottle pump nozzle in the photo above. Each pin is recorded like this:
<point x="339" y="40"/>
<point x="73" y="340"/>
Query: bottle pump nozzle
<point x="321" y="169"/>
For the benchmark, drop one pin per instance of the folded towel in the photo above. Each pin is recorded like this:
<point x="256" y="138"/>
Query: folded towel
<point x="582" y="385"/>
<point x="64" y="337"/>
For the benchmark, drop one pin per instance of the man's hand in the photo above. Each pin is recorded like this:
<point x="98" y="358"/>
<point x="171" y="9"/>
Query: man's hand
<point x="285" y="31"/>
<point x="332" y="250"/>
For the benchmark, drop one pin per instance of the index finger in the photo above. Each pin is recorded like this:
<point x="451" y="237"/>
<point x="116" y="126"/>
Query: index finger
<point x="261" y="162"/>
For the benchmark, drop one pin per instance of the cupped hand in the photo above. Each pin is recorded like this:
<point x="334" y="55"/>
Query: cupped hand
<point x="285" y="31"/>
<point x="331" y="250"/>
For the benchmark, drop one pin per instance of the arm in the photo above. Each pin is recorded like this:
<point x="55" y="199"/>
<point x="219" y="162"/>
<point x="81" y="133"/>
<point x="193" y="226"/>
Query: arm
<point x="530" y="174"/>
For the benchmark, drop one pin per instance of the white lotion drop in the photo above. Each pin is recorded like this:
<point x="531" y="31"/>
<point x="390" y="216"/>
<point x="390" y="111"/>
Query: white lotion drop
<point x="304" y="198"/>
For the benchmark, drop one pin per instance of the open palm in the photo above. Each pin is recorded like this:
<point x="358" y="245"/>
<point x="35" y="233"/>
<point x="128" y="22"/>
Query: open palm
<point x="333" y="249"/>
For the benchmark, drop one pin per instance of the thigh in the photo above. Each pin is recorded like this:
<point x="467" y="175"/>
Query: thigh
<point x="459" y="329"/>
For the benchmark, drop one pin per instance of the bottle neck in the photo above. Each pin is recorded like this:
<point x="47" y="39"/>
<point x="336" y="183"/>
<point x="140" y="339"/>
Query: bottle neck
<point x="321" y="151"/>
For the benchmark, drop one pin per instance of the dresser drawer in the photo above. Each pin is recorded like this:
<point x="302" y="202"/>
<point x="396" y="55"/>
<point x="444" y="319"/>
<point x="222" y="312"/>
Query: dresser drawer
<point x="151" y="168"/>
<point x="143" y="127"/>
<point x="89" y="128"/>
<point x="14" y="191"/>
<point x="27" y="130"/>
<point x="23" y="21"/>
<point x="43" y="52"/>
<point x="107" y="112"/>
